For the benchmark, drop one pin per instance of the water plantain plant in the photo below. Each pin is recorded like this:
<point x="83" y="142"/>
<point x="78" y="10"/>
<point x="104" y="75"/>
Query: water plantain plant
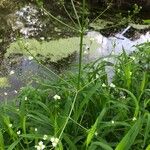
<point x="83" y="110"/>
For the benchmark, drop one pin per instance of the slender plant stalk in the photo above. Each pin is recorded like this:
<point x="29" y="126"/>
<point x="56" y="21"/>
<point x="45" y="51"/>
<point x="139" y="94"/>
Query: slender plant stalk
<point x="101" y="14"/>
<point x="58" y="20"/>
<point x="69" y="15"/>
<point x="76" y="14"/>
<point x="81" y="44"/>
<point x="69" y="116"/>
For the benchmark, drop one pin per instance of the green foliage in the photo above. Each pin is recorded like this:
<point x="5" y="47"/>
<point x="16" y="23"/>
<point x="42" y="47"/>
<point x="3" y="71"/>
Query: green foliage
<point x="93" y="117"/>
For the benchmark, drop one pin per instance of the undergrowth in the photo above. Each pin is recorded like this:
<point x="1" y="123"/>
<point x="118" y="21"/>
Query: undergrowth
<point x="100" y="115"/>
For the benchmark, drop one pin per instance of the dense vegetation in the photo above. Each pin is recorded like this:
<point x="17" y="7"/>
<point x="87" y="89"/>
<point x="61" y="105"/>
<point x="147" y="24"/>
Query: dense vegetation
<point x="83" y="109"/>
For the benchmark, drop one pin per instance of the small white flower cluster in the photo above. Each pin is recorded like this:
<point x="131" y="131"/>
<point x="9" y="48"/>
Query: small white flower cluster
<point x="45" y="137"/>
<point x="10" y="125"/>
<point x="18" y="132"/>
<point x="134" y="119"/>
<point x="11" y="72"/>
<point x="40" y="146"/>
<point x="5" y="93"/>
<point x="112" y="121"/>
<point x="112" y="85"/>
<point x="132" y="57"/>
<point x="57" y="97"/>
<point x="54" y="141"/>
<point x="103" y="85"/>
<point x="30" y="58"/>
<point x="26" y="98"/>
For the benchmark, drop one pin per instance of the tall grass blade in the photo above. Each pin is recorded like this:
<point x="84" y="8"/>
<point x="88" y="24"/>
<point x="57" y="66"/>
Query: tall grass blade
<point x="129" y="138"/>
<point x="102" y="145"/>
<point x="92" y="131"/>
<point x="14" y="144"/>
<point x="1" y="141"/>
<point x="147" y="130"/>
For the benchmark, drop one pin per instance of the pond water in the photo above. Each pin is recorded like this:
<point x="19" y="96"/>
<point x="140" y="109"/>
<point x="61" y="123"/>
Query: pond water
<point x="21" y="70"/>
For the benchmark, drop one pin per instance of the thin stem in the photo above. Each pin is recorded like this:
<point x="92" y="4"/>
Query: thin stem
<point x="101" y="14"/>
<point x="76" y="14"/>
<point x="80" y="59"/>
<point x="69" y="116"/>
<point x="81" y="45"/>
<point x="69" y="15"/>
<point x="63" y="23"/>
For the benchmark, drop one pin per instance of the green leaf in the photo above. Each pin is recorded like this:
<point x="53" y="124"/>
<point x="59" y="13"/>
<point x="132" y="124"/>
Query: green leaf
<point x="69" y="142"/>
<point x="129" y="138"/>
<point x="102" y="145"/>
<point x="147" y="21"/>
<point x="14" y="144"/>
<point x="1" y="141"/>
<point x="147" y="130"/>
<point x="139" y="26"/>
<point x="92" y="131"/>
<point x="135" y="101"/>
<point x="148" y="147"/>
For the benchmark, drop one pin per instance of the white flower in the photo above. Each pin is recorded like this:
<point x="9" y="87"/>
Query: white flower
<point x="40" y="146"/>
<point x="12" y="72"/>
<point x="16" y="91"/>
<point x="54" y="141"/>
<point x="130" y="73"/>
<point x="42" y="38"/>
<point x="105" y="59"/>
<point x="96" y="133"/>
<point x="45" y="137"/>
<point x="30" y="57"/>
<point x="56" y="97"/>
<point x="35" y="129"/>
<point x="10" y="125"/>
<point x="103" y="85"/>
<point x="123" y="97"/>
<point x="132" y="57"/>
<point x="25" y="98"/>
<point x="85" y="52"/>
<point x="112" y="121"/>
<point x="112" y="85"/>
<point x="18" y="132"/>
<point x="118" y="70"/>
<point x="97" y="76"/>
<point x="92" y="39"/>
<point x="5" y="93"/>
<point x="134" y="119"/>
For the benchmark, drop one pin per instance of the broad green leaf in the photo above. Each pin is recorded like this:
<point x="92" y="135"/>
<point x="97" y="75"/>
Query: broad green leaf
<point x="129" y="138"/>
